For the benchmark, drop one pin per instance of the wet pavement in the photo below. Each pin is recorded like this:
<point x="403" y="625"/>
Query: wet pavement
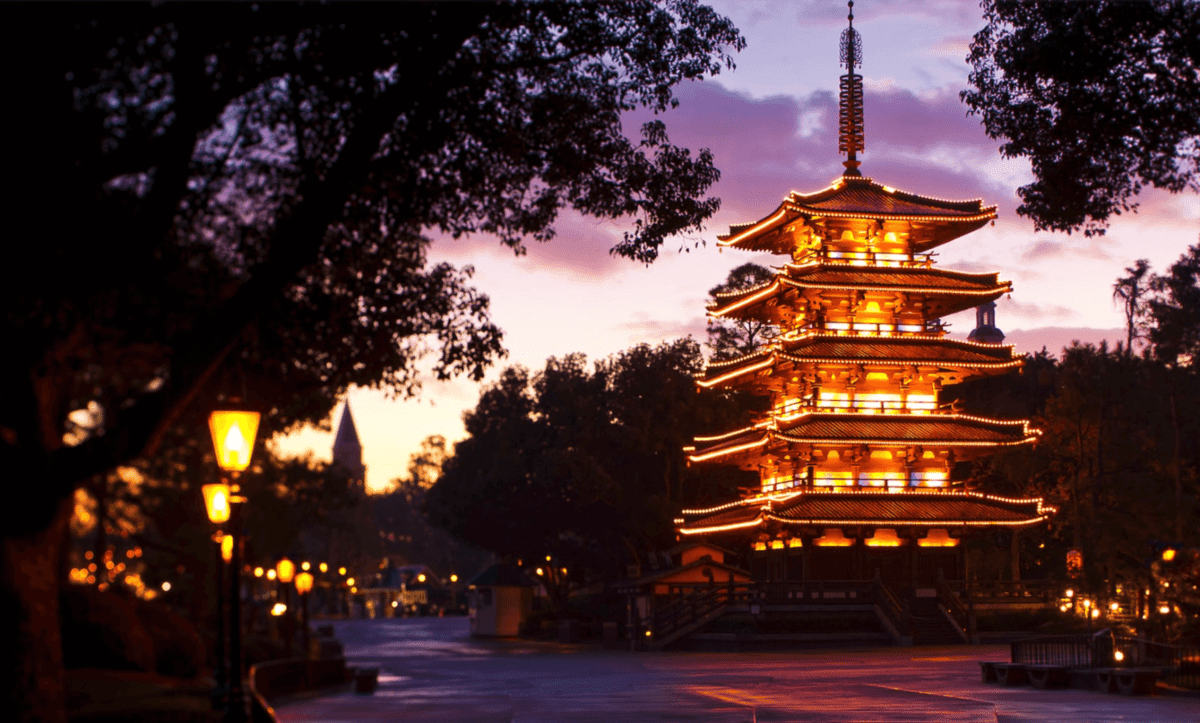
<point x="432" y="670"/>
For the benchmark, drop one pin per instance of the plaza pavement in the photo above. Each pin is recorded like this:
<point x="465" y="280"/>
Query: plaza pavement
<point x="431" y="670"/>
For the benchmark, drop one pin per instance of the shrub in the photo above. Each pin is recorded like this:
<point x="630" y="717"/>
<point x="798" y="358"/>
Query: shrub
<point x="103" y="630"/>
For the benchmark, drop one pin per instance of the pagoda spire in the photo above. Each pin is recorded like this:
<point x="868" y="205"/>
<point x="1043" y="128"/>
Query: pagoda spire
<point x="850" y="106"/>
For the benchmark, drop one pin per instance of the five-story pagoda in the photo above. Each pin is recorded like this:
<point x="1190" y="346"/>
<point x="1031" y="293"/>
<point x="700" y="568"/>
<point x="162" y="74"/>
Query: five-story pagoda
<point x="857" y="455"/>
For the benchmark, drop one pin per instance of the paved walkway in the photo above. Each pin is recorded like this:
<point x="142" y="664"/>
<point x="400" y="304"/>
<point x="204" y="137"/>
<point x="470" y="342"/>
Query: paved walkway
<point x="431" y="670"/>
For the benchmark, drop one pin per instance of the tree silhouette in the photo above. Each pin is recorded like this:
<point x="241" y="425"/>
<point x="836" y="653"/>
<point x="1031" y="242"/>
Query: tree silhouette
<point x="1102" y="98"/>
<point x="731" y="338"/>
<point x="1130" y="291"/>
<point x="249" y="189"/>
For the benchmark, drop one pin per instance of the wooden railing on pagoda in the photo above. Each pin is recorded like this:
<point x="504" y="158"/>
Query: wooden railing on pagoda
<point x="867" y="329"/>
<point x="1023" y="592"/>
<point x="867" y="258"/>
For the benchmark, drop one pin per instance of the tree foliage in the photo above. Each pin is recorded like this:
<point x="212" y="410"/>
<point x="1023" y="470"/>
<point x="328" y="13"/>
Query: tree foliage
<point x="731" y="338"/>
<point x="406" y="535"/>
<point x="1102" y="97"/>
<point x="218" y="198"/>
<point x="1118" y="455"/>
<point x="586" y="466"/>
<point x="259" y="180"/>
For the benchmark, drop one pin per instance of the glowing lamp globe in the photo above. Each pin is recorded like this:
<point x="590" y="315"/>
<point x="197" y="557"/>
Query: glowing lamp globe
<point x="233" y="434"/>
<point x="285" y="569"/>
<point x="1168" y="555"/>
<point x="227" y="548"/>
<point x="304" y="583"/>
<point x="216" y="502"/>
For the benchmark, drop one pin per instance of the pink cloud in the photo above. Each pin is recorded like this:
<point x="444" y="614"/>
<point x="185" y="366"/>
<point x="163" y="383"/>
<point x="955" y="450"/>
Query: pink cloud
<point x="768" y="147"/>
<point x="652" y="331"/>
<point x="1055" y="338"/>
<point x="1081" y="247"/>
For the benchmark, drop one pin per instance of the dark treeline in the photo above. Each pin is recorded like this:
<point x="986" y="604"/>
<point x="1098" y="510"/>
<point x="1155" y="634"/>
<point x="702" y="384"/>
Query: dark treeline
<point x="586" y="465"/>
<point x="1120" y="450"/>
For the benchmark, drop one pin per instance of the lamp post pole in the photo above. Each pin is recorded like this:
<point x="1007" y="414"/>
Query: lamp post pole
<point x="221" y="673"/>
<point x="237" y="700"/>
<point x="304" y="620"/>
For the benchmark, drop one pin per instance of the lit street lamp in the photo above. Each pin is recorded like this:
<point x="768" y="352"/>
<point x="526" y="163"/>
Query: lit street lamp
<point x="233" y="433"/>
<point x="285" y="570"/>
<point x="304" y="584"/>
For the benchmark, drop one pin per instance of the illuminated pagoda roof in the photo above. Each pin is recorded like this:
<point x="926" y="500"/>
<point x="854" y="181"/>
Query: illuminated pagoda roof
<point x="878" y="508"/>
<point x="764" y="368"/>
<point x="931" y="221"/>
<point x="947" y="291"/>
<point x="840" y="429"/>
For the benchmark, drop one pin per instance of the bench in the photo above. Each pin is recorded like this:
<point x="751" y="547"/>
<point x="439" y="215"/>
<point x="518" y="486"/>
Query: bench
<point x="987" y="671"/>
<point x="1136" y="681"/>
<point x="366" y="680"/>
<point x="1105" y="679"/>
<point x="1048" y="676"/>
<point x="1011" y="674"/>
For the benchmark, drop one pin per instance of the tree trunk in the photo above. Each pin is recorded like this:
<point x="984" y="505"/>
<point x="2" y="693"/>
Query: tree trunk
<point x="31" y="640"/>
<point x="1177" y="463"/>
<point x="1014" y="555"/>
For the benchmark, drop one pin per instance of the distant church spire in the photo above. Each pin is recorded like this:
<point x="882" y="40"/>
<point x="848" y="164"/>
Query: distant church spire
<point x="850" y="107"/>
<point x="985" y="325"/>
<point x="347" y="451"/>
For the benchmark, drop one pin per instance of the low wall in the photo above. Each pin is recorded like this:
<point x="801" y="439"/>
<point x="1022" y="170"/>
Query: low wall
<point x="277" y="678"/>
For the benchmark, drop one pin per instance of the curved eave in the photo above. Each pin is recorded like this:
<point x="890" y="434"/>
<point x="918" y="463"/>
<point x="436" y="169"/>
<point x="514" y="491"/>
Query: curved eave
<point x="729" y="446"/>
<point x="987" y="286"/>
<point x="1000" y="288"/>
<point x="939" y="221"/>
<point x="745" y="372"/>
<point x="772" y="509"/>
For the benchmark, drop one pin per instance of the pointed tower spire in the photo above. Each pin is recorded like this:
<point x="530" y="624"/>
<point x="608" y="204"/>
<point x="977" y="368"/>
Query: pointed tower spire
<point x="850" y="108"/>
<point x="347" y="450"/>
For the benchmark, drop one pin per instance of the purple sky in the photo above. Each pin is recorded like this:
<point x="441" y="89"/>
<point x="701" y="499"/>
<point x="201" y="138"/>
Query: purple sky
<point x="771" y="125"/>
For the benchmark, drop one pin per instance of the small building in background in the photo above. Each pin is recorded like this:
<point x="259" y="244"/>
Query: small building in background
<point x="501" y="600"/>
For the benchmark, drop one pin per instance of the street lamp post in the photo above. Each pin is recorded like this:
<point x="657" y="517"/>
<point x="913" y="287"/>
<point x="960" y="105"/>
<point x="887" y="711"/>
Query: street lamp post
<point x="233" y="434"/>
<point x="216" y="505"/>
<point x="237" y="712"/>
<point x="285" y="570"/>
<point x="304" y="583"/>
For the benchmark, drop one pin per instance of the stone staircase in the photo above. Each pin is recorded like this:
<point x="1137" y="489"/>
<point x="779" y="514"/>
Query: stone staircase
<point x="930" y="626"/>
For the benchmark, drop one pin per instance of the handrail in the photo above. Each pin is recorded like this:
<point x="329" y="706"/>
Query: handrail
<point x="702" y="599"/>
<point x="890" y="605"/>
<point x="953" y="604"/>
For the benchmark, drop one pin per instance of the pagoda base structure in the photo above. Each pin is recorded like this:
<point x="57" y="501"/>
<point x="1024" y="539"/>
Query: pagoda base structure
<point x="909" y="540"/>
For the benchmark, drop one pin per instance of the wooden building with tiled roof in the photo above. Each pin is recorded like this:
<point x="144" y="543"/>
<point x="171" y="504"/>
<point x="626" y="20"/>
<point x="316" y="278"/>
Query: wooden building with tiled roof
<point x="858" y="457"/>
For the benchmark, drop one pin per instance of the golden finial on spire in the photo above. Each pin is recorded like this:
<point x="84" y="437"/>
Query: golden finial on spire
<point x="850" y="108"/>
